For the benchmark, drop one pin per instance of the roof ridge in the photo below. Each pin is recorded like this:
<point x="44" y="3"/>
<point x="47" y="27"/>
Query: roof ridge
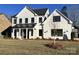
<point x="30" y="10"/>
<point x="39" y="8"/>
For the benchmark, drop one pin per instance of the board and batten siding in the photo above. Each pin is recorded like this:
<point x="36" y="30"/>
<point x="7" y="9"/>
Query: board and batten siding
<point x="63" y="24"/>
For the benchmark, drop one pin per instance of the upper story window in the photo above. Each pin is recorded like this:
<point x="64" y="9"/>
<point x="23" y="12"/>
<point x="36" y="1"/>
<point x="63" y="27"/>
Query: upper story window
<point x="56" y="18"/>
<point x="32" y="20"/>
<point x="15" y="21"/>
<point x="20" y="20"/>
<point x="26" y="20"/>
<point x="40" y="20"/>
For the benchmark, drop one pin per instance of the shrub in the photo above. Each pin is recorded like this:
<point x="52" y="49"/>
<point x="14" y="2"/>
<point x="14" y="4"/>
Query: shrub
<point x="37" y="38"/>
<point x="55" y="46"/>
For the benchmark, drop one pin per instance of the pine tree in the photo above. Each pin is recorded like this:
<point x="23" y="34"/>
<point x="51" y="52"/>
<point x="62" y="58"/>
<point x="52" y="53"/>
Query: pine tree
<point x="64" y="11"/>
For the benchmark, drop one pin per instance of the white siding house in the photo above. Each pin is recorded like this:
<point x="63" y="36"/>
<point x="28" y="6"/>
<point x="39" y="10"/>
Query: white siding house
<point x="26" y="24"/>
<point x="57" y="26"/>
<point x="37" y="23"/>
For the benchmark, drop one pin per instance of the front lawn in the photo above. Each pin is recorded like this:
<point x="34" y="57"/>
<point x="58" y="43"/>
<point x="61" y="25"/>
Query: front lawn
<point x="36" y="47"/>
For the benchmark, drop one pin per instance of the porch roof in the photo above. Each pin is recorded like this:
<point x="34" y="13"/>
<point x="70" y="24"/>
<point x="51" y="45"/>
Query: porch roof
<point x="30" y="25"/>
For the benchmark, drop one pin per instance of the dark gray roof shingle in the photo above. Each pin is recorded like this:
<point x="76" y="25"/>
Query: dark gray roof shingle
<point x="41" y="11"/>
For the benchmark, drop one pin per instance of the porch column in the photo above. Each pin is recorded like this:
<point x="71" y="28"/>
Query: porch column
<point x="12" y="34"/>
<point x="20" y="34"/>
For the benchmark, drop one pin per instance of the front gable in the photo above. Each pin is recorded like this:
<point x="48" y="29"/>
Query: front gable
<point x="25" y="12"/>
<point x="62" y="24"/>
<point x="63" y="16"/>
<point x="58" y="13"/>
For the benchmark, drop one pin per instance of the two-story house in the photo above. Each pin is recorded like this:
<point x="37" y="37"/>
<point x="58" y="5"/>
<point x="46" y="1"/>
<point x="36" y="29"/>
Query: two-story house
<point x="37" y="23"/>
<point x="27" y="23"/>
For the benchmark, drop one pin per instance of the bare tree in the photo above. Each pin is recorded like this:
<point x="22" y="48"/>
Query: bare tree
<point x="74" y="14"/>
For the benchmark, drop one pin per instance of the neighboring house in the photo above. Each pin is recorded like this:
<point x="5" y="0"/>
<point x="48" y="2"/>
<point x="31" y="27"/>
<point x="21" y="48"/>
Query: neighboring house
<point x="26" y="24"/>
<point x="4" y="24"/>
<point x="37" y="23"/>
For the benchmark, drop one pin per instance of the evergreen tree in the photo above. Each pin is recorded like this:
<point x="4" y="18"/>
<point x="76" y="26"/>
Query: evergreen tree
<point x="64" y="11"/>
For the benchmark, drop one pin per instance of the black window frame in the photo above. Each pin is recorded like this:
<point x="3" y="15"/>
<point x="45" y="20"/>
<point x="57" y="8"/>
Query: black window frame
<point x="40" y="32"/>
<point x="20" y="20"/>
<point x="31" y="32"/>
<point x="32" y="20"/>
<point x="56" y="18"/>
<point x="58" y="32"/>
<point x="26" y="20"/>
<point x="40" y="19"/>
<point x="15" y="21"/>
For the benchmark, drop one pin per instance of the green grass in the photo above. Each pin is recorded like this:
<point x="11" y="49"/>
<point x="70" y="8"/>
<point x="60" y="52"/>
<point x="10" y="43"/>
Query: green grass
<point x="36" y="47"/>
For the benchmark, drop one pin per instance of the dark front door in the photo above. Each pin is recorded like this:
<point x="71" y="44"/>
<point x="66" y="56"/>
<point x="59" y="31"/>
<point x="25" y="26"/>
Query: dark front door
<point x="15" y="33"/>
<point x="28" y="34"/>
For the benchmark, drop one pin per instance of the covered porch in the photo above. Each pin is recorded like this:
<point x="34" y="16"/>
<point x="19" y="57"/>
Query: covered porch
<point x="23" y="31"/>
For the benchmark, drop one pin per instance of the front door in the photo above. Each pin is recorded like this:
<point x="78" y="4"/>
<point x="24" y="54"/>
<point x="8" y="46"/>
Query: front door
<point x="29" y="33"/>
<point x="15" y="33"/>
<point x="24" y="33"/>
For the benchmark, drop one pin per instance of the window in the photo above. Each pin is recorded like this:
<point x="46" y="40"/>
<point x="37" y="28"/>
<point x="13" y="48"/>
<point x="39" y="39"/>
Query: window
<point x="15" y="21"/>
<point x="52" y="32"/>
<point x="32" y="20"/>
<point x="40" y="32"/>
<point x="32" y="32"/>
<point x="40" y="20"/>
<point x="58" y="32"/>
<point x="20" y="20"/>
<point x="56" y="18"/>
<point x="26" y="20"/>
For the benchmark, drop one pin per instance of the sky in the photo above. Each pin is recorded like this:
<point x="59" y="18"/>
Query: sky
<point x="12" y="9"/>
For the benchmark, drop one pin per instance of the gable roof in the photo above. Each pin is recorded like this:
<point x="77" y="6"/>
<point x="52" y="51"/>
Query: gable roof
<point x="69" y="21"/>
<point x="22" y="9"/>
<point x="31" y="10"/>
<point x="4" y="22"/>
<point x="41" y="11"/>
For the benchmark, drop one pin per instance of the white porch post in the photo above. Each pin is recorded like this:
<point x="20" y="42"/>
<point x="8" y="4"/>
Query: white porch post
<point x="12" y="35"/>
<point x="20" y="34"/>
